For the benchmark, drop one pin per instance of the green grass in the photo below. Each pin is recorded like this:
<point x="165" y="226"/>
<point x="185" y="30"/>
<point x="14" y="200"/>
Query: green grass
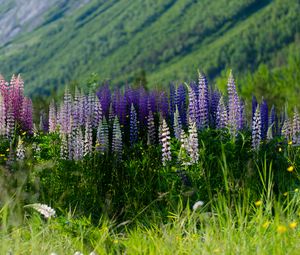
<point x="251" y="201"/>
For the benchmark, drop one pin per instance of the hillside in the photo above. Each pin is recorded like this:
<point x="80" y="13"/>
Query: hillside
<point x="168" y="39"/>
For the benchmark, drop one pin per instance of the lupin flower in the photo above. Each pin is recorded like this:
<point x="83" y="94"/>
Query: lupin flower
<point x="264" y="119"/>
<point x="256" y="129"/>
<point x="52" y="117"/>
<point x="64" y="148"/>
<point x="192" y="110"/>
<point x="10" y="122"/>
<point x="296" y="127"/>
<point x="203" y="101"/>
<point x="97" y="116"/>
<point x="102" y="136"/>
<point x="177" y="124"/>
<point x="104" y="95"/>
<point x="78" y="143"/>
<point x="151" y="129"/>
<point x="180" y="100"/>
<point x="193" y="143"/>
<point x="286" y="129"/>
<point x="2" y="116"/>
<point x="222" y="114"/>
<point x="133" y="126"/>
<point x="184" y="148"/>
<point x="234" y="114"/>
<point x="172" y="102"/>
<point x="88" y="137"/>
<point x="20" y="151"/>
<point x="117" y="139"/>
<point x="273" y="121"/>
<point x="165" y="142"/>
<point x="215" y="96"/>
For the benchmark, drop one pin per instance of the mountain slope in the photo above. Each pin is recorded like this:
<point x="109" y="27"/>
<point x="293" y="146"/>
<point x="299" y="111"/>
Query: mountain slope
<point x="169" y="39"/>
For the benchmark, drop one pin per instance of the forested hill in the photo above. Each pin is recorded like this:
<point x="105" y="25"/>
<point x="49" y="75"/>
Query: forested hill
<point x="168" y="39"/>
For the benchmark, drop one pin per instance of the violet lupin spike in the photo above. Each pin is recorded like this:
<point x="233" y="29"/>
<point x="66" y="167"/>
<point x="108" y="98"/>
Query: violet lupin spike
<point x="233" y="106"/>
<point x="97" y="116"/>
<point x="222" y="114"/>
<point x="165" y="141"/>
<point x="203" y="102"/>
<point x="256" y="129"/>
<point x="264" y="115"/>
<point x="172" y="102"/>
<point x="181" y="103"/>
<point x="102" y="136"/>
<point x="133" y="126"/>
<point x="117" y="143"/>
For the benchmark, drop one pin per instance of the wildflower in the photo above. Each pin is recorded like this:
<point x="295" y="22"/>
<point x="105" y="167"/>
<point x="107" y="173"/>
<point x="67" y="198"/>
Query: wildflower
<point x="293" y="225"/>
<point x="202" y="102"/>
<point x="280" y="149"/>
<point x="281" y="229"/>
<point x="116" y="241"/>
<point x="256" y="129"/>
<point x="20" y="150"/>
<point x="296" y="190"/>
<point x="258" y="203"/>
<point x="43" y="209"/>
<point x="266" y="224"/>
<point x="234" y="106"/>
<point x="290" y="169"/>
<point x="197" y="205"/>
<point x="222" y="114"/>
<point x="117" y="139"/>
<point x="165" y="142"/>
<point x="133" y="126"/>
<point x="285" y="194"/>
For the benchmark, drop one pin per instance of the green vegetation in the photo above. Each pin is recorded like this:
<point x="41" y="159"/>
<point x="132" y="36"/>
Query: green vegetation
<point x="137" y="206"/>
<point x="168" y="39"/>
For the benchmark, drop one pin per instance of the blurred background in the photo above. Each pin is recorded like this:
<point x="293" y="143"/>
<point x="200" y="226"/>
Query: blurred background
<point x="88" y="42"/>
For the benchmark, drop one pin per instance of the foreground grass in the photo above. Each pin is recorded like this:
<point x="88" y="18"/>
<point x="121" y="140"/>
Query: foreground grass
<point x="265" y="227"/>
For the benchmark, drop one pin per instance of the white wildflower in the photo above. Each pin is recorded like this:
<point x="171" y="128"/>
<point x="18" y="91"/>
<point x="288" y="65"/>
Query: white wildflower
<point x="197" y="205"/>
<point x="43" y="209"/>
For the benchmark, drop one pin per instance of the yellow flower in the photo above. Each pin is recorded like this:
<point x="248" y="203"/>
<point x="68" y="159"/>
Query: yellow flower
<point x="116" y="241"/>
<point x="258" y="203"/>
<point x="24" y="133"/>
<point x="266" y="224"/>
<point x="7" y="149"/>
<point x="293" y="225"/>
<point x="285" y="194"/>
<point x="281" y="229"/>
<point x="280" y="149"/>
<point x="290" y="169"/>
<point x="290" y="142"/>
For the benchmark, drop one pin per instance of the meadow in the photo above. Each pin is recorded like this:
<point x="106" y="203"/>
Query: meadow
<point x="188" y="170"/>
